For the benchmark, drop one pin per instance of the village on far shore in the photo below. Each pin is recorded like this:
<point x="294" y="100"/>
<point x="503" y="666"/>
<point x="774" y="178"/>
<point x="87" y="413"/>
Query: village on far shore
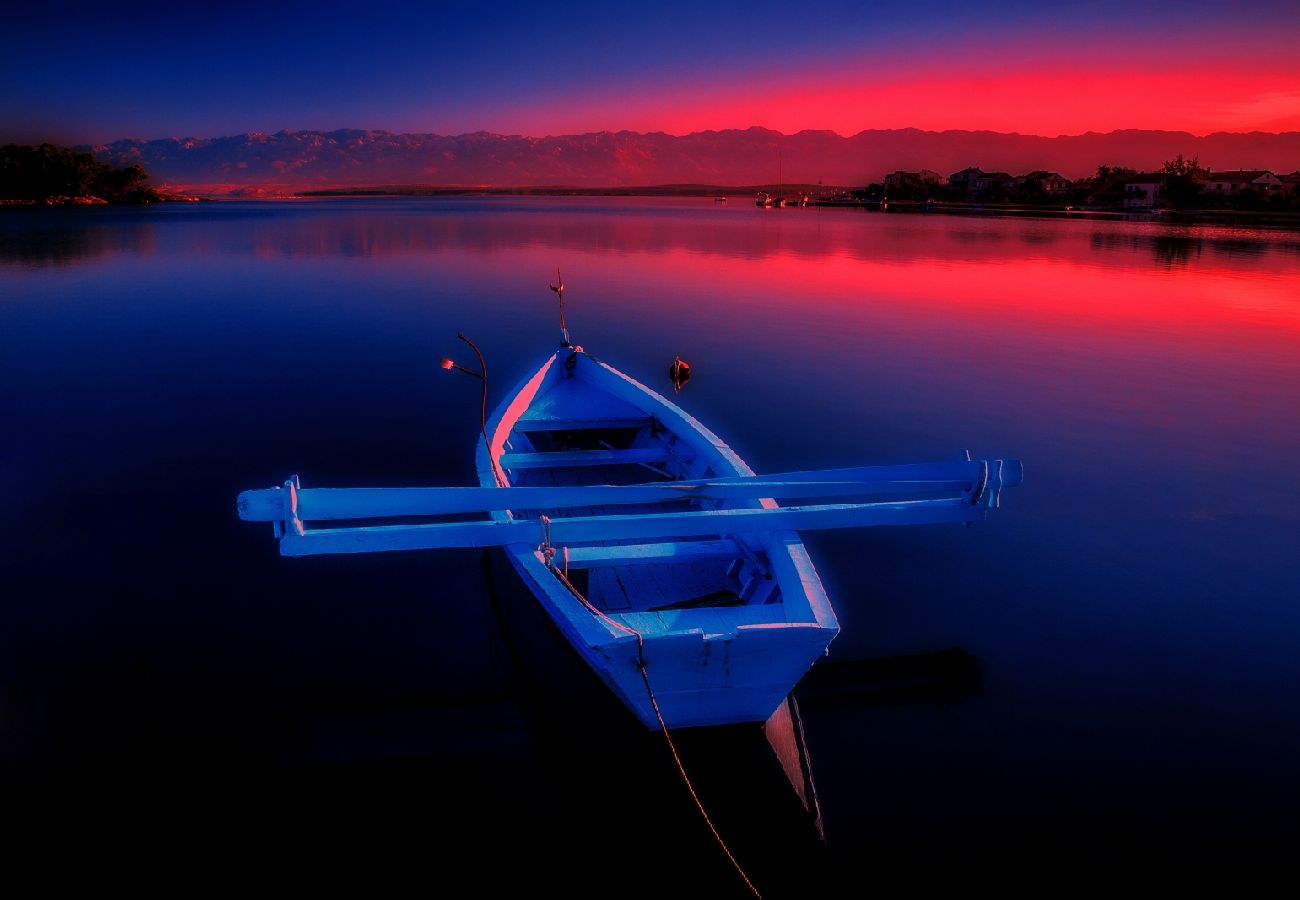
<point x="1181" y="189"/>
<point x="1179" y="185"/>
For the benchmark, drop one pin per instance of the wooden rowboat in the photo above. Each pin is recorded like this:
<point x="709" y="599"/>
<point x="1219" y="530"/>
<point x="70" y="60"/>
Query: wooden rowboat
<point x="726" y="621"/>
<point x="666" y="563"/>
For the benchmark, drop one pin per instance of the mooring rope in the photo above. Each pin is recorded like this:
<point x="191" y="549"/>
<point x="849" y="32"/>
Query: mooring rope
<point x="548" y="554"/>
<point x="699" y="804"/>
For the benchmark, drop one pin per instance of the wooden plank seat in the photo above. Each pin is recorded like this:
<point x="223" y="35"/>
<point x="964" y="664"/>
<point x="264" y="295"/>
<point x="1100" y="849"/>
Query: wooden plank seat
<point x="644" y="554"/>
<point x="724" y="620"/>
<point x="570" y="458"/>
<point x="553" y="423"/>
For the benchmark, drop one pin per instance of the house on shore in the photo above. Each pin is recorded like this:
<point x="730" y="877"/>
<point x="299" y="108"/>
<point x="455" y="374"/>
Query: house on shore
<point x="1049" y="182"/>
<point x="1146" y="190"/>
<point x="962" y="182"/>
<point x="1243" y="180"/>
<point x="996" y="183"/>
<point x="976" y="183"/>
<point x="1290" y="183"/>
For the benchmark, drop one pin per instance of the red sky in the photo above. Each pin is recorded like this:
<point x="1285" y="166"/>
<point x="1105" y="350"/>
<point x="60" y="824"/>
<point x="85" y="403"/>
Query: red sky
<point x="573" y="66"/>
<point x="996" y="88"/>
<point x="1030" y="101"/>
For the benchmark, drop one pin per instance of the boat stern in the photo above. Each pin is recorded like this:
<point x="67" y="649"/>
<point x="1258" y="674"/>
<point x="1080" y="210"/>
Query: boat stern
<point x="698" y="679"/>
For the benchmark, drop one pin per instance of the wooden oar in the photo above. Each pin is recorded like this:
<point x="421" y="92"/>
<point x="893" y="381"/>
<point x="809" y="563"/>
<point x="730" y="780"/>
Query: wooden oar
<point x="580" y="529"/>
<point x="323" y="504"/>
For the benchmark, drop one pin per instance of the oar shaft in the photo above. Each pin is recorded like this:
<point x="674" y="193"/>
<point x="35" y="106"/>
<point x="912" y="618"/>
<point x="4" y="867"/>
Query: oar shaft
<point x="587" y="529"/>
<point x="325" y="504"/>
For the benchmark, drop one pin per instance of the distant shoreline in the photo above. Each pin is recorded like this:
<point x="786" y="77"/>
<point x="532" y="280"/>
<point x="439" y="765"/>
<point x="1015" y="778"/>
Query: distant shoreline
<point x="745" y="194"/>
<point x="559" y="190"/>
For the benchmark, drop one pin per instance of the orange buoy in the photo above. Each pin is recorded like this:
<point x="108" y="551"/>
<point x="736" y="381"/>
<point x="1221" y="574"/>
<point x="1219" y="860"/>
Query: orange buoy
<point x="679" y="372"/>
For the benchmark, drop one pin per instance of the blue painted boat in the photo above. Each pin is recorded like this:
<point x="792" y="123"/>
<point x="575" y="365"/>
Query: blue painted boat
<point x="673" y="570"/>
<point x="724" y="623"/>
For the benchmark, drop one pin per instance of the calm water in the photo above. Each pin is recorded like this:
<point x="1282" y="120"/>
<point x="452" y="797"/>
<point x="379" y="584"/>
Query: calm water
<point x="1133" y="606"/>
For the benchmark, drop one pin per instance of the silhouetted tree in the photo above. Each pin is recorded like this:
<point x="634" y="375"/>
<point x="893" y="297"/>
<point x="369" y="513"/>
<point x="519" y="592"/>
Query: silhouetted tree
<point x="1184" y="181"/>
<point x="1110" y="174"/>
<point x="912" y="186"/>
<point x="1284" y="201"/>
<point x="49" y="171"/>
<point x="1106" y="188"/>
<point x="1030" y="191"/>
<point x="1248" y="198"/>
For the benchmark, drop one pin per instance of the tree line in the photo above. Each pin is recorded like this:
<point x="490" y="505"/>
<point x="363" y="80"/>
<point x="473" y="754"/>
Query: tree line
<point x="53" y="173"/>
<point x="1184" y="183"/>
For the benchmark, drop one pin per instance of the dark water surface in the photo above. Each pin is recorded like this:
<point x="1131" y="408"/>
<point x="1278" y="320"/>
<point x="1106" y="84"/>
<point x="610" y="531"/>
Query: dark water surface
<point x="169" y="682"/>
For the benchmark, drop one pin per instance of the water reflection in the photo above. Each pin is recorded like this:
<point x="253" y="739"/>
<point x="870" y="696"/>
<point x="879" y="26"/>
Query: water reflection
<point x="1178" y="245"/>
<point x="1169" y="249"/>
<point x="1134" y="604"/>
<point x="397" y="227"/>
<point x="1175" y="249"/>
<point x="30" y="240"/>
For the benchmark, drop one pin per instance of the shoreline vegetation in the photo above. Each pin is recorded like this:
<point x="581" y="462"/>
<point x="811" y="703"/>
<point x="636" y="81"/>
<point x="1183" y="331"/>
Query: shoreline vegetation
<point x="820" y="195"/>
<point x="50" y="175"/>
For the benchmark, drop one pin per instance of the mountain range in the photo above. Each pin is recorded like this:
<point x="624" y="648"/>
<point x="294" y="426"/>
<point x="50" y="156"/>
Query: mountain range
<point x="351" y="157"/>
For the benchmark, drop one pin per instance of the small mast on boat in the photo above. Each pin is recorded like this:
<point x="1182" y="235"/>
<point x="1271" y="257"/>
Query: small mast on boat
<point x="558" y="287"/>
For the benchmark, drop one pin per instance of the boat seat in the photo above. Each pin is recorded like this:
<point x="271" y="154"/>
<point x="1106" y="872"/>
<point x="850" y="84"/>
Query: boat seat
<point x="643" y="554"/>
<point x="713" y="598"/>
<point x="569" y="458"/>
<point x="722" y="620"/>
<point x="551" y="423"/>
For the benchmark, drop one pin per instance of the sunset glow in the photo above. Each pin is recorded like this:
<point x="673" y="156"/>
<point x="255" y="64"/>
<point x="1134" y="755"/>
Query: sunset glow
<point x="546" y="383"/>
<point x="679" y="68"/>
<point x="1050" y="100"/>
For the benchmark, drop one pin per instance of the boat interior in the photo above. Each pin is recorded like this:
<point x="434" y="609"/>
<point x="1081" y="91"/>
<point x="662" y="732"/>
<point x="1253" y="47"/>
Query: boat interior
<point x="576" y="434"/>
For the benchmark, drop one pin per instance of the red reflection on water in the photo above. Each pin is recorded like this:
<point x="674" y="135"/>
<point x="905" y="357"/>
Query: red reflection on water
<point x="1027" y="291"/>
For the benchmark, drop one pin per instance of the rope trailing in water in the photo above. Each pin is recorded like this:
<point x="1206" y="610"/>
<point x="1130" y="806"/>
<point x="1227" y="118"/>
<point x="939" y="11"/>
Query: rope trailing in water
<point x="548" y="553"/>
<point x="699" y="804"/>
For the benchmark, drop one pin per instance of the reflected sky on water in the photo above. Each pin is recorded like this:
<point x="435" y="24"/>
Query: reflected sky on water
<point x="1132" y="605"/>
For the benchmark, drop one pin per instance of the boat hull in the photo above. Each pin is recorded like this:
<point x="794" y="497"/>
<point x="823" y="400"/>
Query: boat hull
<point x="757" y="777"/>
<point x="699" y="666"/>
